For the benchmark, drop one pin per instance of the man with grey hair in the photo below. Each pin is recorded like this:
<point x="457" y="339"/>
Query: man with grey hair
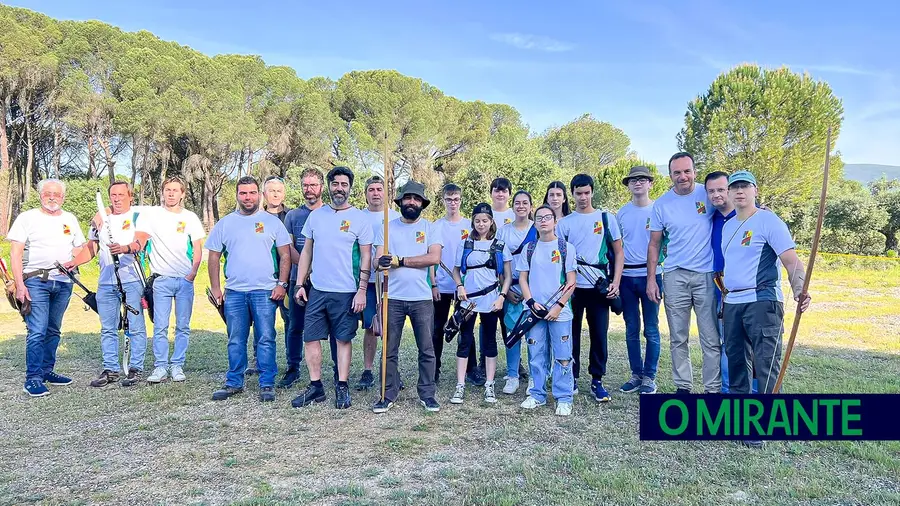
<point x="39" y="238"/>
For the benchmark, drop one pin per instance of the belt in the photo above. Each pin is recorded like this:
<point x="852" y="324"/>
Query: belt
<point x="43" y="273"/>
<point x="635" y="266"/>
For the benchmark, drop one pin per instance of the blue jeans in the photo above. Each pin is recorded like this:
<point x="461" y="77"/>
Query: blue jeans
<point x="543" y="337"/>
<point x="637" y="306"/>
<point x="240" y="309"/>
<point x="166" y="288"/>
<point x="110" y="307"/>
<point x="293" y="338"/>
<point x="49" y="300"/>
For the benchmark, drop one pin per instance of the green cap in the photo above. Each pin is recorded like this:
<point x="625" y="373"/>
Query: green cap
<point x="742" y="175"/>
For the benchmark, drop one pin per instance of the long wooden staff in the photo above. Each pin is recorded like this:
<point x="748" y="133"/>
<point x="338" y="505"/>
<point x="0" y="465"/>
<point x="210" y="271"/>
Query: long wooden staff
<point x="809" y="266"/>
<point x="388" y="172"/>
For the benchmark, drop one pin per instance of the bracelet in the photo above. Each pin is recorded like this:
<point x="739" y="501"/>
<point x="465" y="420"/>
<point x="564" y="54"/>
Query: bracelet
<point x="459" y="285"/>
<point x="561" y="304"/>
<point x="400" y="261"/>
<point x="502" y="294"/>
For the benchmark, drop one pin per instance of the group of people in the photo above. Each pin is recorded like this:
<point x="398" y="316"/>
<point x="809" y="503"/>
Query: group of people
<point x="533" y="270"/>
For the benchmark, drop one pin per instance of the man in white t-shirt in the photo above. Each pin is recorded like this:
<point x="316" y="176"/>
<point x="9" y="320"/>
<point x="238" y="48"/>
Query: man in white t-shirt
<point x="683" y="217"/>
<point x="412" y="249"/>
<point x="375" y="212"/>
<point x="501" y="192"/>
<point x="596" y="237"/>
<point x="250" y="240"/>
<point x="38" y="239"/>
<point x="338" y="251"/>
<point x="111" y="238"/>
<point x="172" y="237"/>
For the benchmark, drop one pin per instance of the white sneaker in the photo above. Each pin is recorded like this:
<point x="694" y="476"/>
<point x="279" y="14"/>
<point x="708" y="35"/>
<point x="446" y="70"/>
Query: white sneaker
<point x="178" y="373"/>
<point x="158" y="376"/>
<point x="489" y="393"/>
<point x="512" y="386"/>
<point x="531" y="403"/>
<point x="459" y="395"/>
<point x="564" y="408"/>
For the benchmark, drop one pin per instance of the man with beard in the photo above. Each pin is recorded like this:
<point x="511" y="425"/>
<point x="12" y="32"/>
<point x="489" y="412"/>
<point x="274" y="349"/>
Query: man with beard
<point x="413" y="248"/>
<point x="683" y="214"/>
<point x="120" y="225"/>
<point x="250" y="241"/>
<point x="338" y="251"/>
<point x="312" y="182"/>
<point x="375" y="212"/>
<point x="38" y="239"/>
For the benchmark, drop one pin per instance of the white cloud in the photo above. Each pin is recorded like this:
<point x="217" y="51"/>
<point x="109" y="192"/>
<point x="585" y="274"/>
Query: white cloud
<point x="533" y="42"/>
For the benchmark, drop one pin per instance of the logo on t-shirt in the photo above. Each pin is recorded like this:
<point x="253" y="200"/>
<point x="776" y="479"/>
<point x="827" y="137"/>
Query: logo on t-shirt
<point x="420" y="237"/>
<point x="748" y="236"/>
<point x="345" y="226"/>
<point x="260" y="228"/>
<point x="554" y="257"/>
<point x="507" y="220"/>
<point x="66" y="230"/>
<point x="180" y="228"/>
<point x="463" y="234"/>
<point x="598" y="227"/>
<point x="126" y="225"/>
<point x="647" y="226"/>
<point x="701" y="207"/>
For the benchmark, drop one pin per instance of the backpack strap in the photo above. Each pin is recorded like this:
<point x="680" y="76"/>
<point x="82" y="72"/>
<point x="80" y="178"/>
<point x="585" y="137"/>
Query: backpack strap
<point x="496" y="252"/>
<point x="468" y="246"/>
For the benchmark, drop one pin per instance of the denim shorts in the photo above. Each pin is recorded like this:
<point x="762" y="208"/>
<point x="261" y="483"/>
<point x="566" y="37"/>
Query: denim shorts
<point x="329" y="313"/>
<point x="371" y="306"/>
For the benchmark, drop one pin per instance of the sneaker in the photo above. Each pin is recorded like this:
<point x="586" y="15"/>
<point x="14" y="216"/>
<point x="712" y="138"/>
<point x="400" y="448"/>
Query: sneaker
<point x="35" y="388"/>
<point x="106" y="377"/>
<point x="430" y="404"/>
<point x="134" y="376"/>
<point x="459" y="395"/>
<point x="366" y="381"/>
<point x="648" y="386"/>
<point x="489" y="393"/>
<point x="177" y="373"/>
<point x="382" y="406"/>
<point x="682" y="391"/>
<point x="600" y="393"/>
<point x="476" y="378"/>
<point x="290" y="377"/>
<point x="512" y="386"/>
<point x="310" y="395"/>
<point x="531" y="403"/>
<point x="56" y="379"/>
<point x="160" y="374"/>
<point x="342" y="397"/>
<point x="225" y="392"/>
<point x="250" y="371"/>
<point x="564" y="408"/>
<point x="632" y="385"/>
<point x="266" y="394"/>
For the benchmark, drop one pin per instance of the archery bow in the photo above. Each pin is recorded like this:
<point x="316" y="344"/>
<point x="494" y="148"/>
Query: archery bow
<point x="809" y="267"/>
<point x="388" y="169"/>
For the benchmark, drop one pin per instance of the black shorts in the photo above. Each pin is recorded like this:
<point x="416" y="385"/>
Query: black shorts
<point x="329" y="313"/>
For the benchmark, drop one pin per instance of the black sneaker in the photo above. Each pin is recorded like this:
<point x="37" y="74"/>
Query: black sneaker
<point x="476" y="378"/>
<point x="266" y="394"/>
<point x="430" y="404"/>
<point x="342" y="397"/>
<point x="225" y="392"/>
<point x="366" y="381"/>
<point x="290" y="377"/>
<point x="682" y="391"/>
<point x="106" y="377"/>
<point x="35" y="388"/>
<point x="382" y="406"/>
<point x="310" y="395"/>
<point x="56" y="379"/>
<point x="134" y="376"/>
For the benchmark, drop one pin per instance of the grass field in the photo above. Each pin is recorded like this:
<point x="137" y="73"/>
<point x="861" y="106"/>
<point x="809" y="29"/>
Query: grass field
<point x="170" y="444"/>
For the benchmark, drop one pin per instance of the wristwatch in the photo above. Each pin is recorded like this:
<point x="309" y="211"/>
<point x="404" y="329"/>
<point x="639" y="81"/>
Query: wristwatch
<point x="283" y="284"/>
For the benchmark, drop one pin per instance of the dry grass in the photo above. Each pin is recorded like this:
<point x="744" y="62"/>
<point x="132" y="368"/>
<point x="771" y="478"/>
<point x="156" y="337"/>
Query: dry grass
<point x="170" y="444"/>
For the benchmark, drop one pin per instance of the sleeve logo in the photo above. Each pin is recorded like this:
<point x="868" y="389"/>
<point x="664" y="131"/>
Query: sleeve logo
<point x="66" y="230"/>
<point x="748" y="236"/>
<point x="701" y="207"/>
<point x="126" y="225"/>
<point x="598" y="227"/>
<point x="181" y="227"/>
<point x="260" y="228"/>
<point x="420" y="237"/>
<point x="463" y="234"/>
<point x="554" y="257"/>
<point x="345" y="226"/>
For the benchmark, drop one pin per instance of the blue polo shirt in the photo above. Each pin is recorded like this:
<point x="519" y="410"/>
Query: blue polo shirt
<point x="718" y="222"/>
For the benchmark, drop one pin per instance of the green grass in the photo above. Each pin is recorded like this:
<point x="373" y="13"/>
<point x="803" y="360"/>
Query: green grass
<point x="171" y="444"/>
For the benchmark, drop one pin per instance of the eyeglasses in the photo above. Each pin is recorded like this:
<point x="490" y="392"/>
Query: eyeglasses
<point x="639" y="180"/>
<point x="452" y="200"/>
<point x="310" y="185"/>
<point x="543" y="218"/>
<point x="740" y="185"/>
<point x="274" y="178"/>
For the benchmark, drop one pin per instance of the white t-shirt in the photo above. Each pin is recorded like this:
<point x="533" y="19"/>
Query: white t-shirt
<point x="450" y="236"/>
<point x="249" y="244"/>
<point x="171" y="244"/>
<point x="545" y="274"/>
<point x="123" y="227"/>
<point x="634" y="222"/>
<point x="376" y="221"/>
<point x="408" y="240"/>
<point x="687" y="222"/>
<point x="478" y="279"/>
<point x="338" y="237"/>
<point x="752" y="250"/>
<point x="48" y="239"/>
<point x="586" y="232"/>
<point x="504" y="217"/>
<point x="513" y="237"/>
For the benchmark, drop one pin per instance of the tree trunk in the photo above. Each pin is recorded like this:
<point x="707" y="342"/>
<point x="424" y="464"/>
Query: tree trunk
<point x="92" y="166"/>
<point x="5" y="170"/>
<point x="29" y="160"/>
<point x="891" y="242"/>
<point x="110" y="162"/>
<point x="209" y="198"/>
<point x="135" y="155"/>
<point x="57" y="147"/>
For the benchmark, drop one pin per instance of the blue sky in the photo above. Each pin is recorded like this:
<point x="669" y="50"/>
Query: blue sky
<point x="634" y="64"/>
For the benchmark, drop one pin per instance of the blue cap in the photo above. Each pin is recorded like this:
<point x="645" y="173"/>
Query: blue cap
<point x="742" y="175"/>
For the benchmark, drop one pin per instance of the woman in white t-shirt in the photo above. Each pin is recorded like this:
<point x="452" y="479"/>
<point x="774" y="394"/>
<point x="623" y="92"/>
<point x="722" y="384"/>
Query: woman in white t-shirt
<point x="483" y="264"/>
<point x="558" y="200"/>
